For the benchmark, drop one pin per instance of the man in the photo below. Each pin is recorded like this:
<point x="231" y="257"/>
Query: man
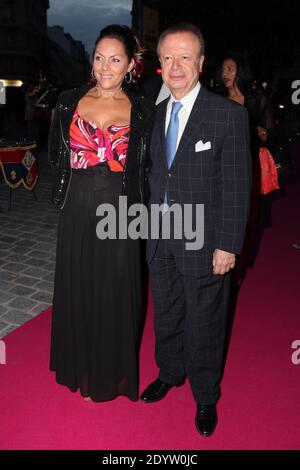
<point x="200" y="155"/>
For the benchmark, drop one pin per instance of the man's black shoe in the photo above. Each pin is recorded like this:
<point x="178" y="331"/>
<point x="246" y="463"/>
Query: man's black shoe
<point x="156" y="391"/>
<point x="206" y="419"/>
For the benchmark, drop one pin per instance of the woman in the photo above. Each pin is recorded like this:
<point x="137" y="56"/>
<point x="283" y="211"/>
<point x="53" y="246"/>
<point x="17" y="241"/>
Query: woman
<point x="98" y="142"/>
<point x="237" y="84"/>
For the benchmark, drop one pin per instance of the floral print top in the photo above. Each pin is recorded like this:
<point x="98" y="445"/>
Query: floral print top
<point x="91" y="145"/>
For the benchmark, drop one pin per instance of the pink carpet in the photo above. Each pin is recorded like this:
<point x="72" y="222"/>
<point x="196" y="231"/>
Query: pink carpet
<point x="259" y="408"/>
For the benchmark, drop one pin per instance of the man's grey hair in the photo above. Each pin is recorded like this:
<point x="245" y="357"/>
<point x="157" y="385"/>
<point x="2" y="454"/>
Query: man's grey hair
<point x="182" y="28"/>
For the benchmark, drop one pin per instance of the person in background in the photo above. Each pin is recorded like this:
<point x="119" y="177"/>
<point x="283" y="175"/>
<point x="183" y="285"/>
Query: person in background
<point x="29" y="113"/>
<point x="237" y="84"/>
<point x="98" y="146"/>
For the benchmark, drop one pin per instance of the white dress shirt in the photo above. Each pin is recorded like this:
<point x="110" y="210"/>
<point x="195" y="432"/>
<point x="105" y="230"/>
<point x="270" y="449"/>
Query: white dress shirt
<point x="184" y="113"/>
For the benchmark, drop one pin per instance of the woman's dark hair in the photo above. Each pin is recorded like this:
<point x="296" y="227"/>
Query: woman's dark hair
<point x="244" y="76"/>
<point x="133" y="48"/>
<point x="122" y="34"/>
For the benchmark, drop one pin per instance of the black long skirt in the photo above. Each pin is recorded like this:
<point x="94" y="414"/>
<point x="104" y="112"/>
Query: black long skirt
<point x="97" y="295"/>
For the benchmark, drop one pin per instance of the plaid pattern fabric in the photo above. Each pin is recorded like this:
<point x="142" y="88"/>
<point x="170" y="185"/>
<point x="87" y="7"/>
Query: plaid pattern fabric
<point x="190" y="303"/>
<point x="218" y="177"/>
<point x="190" y="325"/>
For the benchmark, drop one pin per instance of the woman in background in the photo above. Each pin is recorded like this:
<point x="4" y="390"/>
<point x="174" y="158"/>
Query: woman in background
<point x="238" y="85"/>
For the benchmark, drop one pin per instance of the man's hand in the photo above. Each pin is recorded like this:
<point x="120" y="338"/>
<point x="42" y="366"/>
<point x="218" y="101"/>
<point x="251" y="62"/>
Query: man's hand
<point x="222" y="262"/>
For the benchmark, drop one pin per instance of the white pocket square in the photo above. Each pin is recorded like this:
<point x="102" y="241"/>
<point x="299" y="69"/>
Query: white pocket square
<point x="200" y="146"/>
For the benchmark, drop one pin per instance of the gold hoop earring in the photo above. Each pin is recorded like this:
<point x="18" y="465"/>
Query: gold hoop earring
<point x="128" y="80"/>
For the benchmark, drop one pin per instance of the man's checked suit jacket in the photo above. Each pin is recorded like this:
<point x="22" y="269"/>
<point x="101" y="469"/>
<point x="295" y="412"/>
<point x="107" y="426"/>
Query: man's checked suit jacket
<point x="218" y="177"/>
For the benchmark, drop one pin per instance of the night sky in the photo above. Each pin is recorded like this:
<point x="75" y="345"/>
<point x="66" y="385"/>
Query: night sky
<point x="84" y="19"/>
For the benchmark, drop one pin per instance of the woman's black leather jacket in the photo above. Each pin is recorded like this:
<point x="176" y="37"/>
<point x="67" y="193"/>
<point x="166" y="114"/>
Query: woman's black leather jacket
<point x="137" y="160"/>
